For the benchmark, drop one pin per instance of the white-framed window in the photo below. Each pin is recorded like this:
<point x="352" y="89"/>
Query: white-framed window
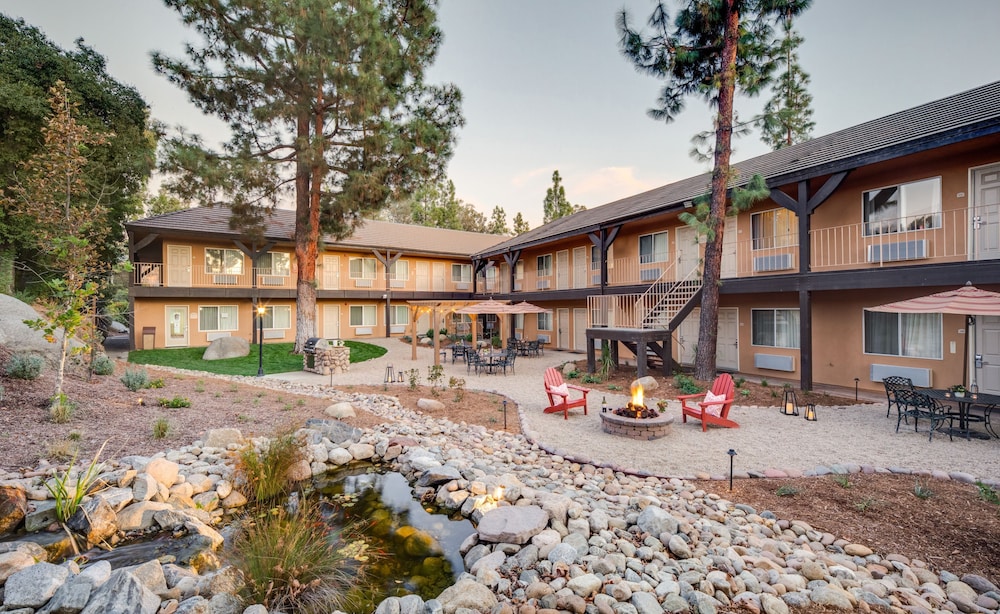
<point x="518" y="321"/>
<point x="278" y="317"/>
<point x="362" y="268"/>
<point x="362" y="315"/>
<point x="212" y="318"/>
<point x="461" y="273"/>
<point x="916" y="335"/>
<point x="220" y="261"/>
<point x="544" y="265"/>
<point x="774" y="228"/>
<point x="775" y="328"/>
<point x="400" y="315"/>
<point x="653" y="248"/>
<point x="544" y="321"/>
<point x="900" y="208"/>
<point x="399" y="270"/>
<point x="275" y="263"/>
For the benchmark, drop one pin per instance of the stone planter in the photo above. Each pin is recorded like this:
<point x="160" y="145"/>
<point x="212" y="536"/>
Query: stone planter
<point x="328" y="359"/>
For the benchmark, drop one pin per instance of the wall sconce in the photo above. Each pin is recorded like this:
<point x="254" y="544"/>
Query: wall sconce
<point x="790" y="407"/>
<point x="390" y="376"/>
<point x="811" y="412"/>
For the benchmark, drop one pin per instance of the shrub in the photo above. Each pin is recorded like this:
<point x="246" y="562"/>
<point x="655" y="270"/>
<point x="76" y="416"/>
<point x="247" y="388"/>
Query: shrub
<point x="686" y="384"/>
<point x="135" y="379"/>
<point x="841" y="480"/>
<point x="102" y="365"/>
<point x="156" y="383"/>
<point x="921" y="490"/>
<point x="458" y="385"/>
<point x="68" y="498"/>
<point x="786" y="490"/>
<point x="160" y="428"/>
<point x="61" y="409"/>
<point x="591" y="378"/>
<point x="988" y="493"/>
<point x="413" y="376"/>
<point x="174" y="403"/>
<point x="263" y="473"/>
<point x="25" y="366"/>
<point x="435" y="373"/>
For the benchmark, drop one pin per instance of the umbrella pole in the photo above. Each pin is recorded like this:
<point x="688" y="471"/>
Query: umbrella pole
<point x="965" y="352"/>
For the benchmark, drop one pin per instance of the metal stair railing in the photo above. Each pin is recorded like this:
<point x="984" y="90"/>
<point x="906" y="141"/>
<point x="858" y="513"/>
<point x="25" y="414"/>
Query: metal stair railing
<point x="664" y="299"/>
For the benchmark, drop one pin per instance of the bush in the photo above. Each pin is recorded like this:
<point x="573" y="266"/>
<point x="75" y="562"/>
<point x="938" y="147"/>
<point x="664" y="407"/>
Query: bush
<point x="686" y="384"/>
<point x="102" y="365"/>
<point x="263" y="474"/>
<point x="61" y="409"/>
<point x="135" y="379"/>
<point x="174" y="403"/>
<point x="160" y="428"/>
<point x="25" y="366"/>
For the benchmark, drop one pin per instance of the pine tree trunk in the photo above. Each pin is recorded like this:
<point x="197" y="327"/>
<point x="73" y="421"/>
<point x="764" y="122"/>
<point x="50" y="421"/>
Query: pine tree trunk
<point x="708" y="332"/>
<point x="306" y="240"/>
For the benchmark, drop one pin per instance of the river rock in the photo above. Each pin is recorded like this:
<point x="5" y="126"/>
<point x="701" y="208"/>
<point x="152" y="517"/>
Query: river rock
<point x="430" y="405"/>
<point x="299" y="471"/>
<point x="13" y="562"/>
<point x="163" y="471"/>
<point x="647" y="382"/>
<point x="222" y="438"/>
<point x="140" y="515"/>
<point x="226" y="347"/>
<point x="656" y="521"/>
<point x="467" y="594"/>
<point x="123" y="593"/>
<point x="341" y="410"/>
<point x="585" y="586"/>
<point x="33" y="586"/>
<point x="13" y="507"/>
<point x="512" y="524"/>
<point x="436" y="476"/>
<point x="95" y="520"/>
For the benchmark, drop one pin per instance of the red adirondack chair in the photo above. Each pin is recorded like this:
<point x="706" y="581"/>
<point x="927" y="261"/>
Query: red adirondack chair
<point x="559" y="401"/>
<point x="723" y="385"/>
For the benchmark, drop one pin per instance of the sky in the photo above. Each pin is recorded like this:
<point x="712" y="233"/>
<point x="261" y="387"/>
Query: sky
<point x="546" y="88"/>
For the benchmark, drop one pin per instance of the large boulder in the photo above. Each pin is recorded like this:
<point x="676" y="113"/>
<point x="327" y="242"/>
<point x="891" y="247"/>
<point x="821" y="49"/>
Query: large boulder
<point x="14" y="333"/>
<point x="227" y="347"/>
<point x="13" y="507"/>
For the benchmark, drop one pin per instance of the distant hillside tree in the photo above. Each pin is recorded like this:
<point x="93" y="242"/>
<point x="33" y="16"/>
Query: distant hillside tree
<point x="160" y="203"/>
<point x="498" y="222"/>
<point x="787" y="116"/>
<point x="436" y="205"/>
<point x="556" y="205"/>
<point x="520" y="225"/>
<point x="326" y="102"/>
<point x="711" y="48"/>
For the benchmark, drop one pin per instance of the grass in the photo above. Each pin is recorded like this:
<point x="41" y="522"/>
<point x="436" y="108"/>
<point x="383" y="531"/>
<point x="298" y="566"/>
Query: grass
<point x="786" y="490"/>
<point x="921" y="490"/>
<point x="988" y="494"/>
<point x="841" y="480"/>
<point x="262" y="473"/>
<point x="278" y="358"/>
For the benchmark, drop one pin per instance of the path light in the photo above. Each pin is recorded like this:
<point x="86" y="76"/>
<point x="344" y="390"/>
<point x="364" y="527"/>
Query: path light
<point x="790" y="407"/>
<point x="856" y="380"/>
<point x="261" y="310"/>
<point x="390" y="376"/>
<point x="732" y="454"/>
<point x="811" y="412"/>
<point x="505" y="414"/>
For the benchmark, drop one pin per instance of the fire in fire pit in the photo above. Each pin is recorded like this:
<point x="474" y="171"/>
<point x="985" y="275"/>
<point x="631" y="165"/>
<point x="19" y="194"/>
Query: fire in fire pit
<point x="635" y="408"/>
<point x="637" y="421"/>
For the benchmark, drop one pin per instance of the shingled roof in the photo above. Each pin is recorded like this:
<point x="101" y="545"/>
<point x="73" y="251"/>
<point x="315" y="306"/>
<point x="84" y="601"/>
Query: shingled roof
<point x="959" y="117"/>
<point x="213" y="222"/>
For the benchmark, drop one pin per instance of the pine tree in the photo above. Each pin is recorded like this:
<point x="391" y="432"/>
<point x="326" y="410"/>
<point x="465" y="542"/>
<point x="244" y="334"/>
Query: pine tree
<point x="520" y="225"/>
<point x="787" y="116"/>
<point x="710" y="49"/>
<point x="326" y="101"/>
<point x="498" y="222"/>
<point x="556" y="205"/>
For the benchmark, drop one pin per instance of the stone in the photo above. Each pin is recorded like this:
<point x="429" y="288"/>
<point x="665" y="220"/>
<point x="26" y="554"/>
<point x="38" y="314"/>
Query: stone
<point x="69" y="598"/>
<point x="13" y="562"/>
<point x="207" y="501"/>
<point x="341" y="410"/>
<point x="436" y="476"/>
<point x="430" y="405"/>
<point x="299" y="471"/>
<point x="14" y="333"/>
<point x="150" y="575"/>
<point x="95" y="574"/>
<point x="648" y="383"/>
<point x="339" y="456"/>
<point x="772" y="605"/>
<point x="563" y="553"/>
<point x="222" y="438"/>
<point x="645" y="603"/>
<point x="832" y="596"/>
<point x="33" y="586"/>
<point x="336" y="431"/>
<point x="163" y="471"/>
<point x="144" y="487"/>
<point x="467" y="594"/>
<point x="13" y="507"/>
<point x="95" y="520"/>
<point x="657" y="521"/>
<point x="979" y="583"/>
<point x="678" y="547"/>
<point x="857" y="550"/>
<point x="139" y="516"/>
<point x="42" y="516"/>
<point x="585" y="586"/>
<point x="512" y="524"/>
<point x="196" y="605"/>
<point x="235" y="499"/>
<point x="123" y="593"/>
<point x="361" y="451"/>
<point x="226" y="347"/>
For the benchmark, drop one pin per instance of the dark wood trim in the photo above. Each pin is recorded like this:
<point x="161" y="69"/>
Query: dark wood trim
<point x="143" y="242"/>
<point x="805" y="340"/>
<point x="784" y="200"/>
<point x="825" y="191"/>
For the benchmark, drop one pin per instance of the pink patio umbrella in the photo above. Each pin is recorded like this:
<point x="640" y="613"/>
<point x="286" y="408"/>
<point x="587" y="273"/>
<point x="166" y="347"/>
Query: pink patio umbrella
<point x="968" y="300"/>
<point x="490" y="306"/>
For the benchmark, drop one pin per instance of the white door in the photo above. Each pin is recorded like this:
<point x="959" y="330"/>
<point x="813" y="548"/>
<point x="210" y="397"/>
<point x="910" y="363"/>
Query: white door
<point x="986" y="212"/>
<point x="988" y="346"/>
<point x="177" y="327"/>
<point x="687" y="251"/>
<point x="580" y="330"/>
<point x="562" y="328"/>
<point x="331" y="275"/>
<point x="580" y="266"/>
<point x="562" y="270"/>
<point x="423" y="276"/>
<point x="727" y="349"/>
<point x="437" y="281"/>
<point x="729" y="238"/>
<point x="179" y="266"/>
<point x="331" y="321"/>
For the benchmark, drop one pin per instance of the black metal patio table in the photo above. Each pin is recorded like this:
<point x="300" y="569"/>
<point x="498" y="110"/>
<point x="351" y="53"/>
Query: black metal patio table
<point x="990" y="401"/>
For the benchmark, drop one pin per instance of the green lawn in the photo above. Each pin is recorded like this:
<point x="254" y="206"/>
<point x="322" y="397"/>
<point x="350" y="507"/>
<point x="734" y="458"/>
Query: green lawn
<point x="278" y="358"/>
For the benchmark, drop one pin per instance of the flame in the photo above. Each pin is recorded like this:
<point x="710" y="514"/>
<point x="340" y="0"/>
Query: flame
<point x="637" y="395"/>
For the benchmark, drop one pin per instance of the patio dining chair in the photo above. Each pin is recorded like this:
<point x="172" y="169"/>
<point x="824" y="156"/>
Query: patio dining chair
<point x="919" y="406"/>
<point x="892" y="384"/>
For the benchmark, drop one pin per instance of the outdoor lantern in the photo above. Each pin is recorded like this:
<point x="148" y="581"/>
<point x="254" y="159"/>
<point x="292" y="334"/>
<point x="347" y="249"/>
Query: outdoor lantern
<point x="399" y="377"/>
<point x="811" y="412"/>
<point x="390" y="376"/>
<point x="790" y="407"/>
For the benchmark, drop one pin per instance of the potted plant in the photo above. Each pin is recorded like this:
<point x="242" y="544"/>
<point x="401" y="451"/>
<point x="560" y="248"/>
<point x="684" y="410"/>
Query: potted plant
<point x="959" y="390"/>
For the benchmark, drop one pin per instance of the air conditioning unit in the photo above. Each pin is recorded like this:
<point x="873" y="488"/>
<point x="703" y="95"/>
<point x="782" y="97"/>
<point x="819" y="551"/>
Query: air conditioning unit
<point x="544" y="284"/>
<point x="595" y="279"/>
<point x="272" y="280"/>
<point x="225" y="280"/>
<point x="649" y="274"/>
<point x="362" y="283"/>
<point x="774" y="262"/>
<point x="919" y="375"/>
<point x="892" y="252"/>
<point x="462" y="286"/>
<point x="517" y="286"/>
<point x="543" y="338"/>
<point x="397" y="283"/>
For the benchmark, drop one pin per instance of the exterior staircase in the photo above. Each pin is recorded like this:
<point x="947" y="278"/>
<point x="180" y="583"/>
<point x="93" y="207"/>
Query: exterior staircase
<point x="664" y="299"/>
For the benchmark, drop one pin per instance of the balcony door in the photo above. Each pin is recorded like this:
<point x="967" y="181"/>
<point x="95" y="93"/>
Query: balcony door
<point x="179" y="266"/>
<point x="562" y="329"/>
<point x="581" y="264"/>
<point x="986" y="212"/>
<point x="579" y="329"/>
<point x="331" y="274"/>
<point x="423" y="276"/>
<point x="687" y="251"/>
<point x="562" y="270"/>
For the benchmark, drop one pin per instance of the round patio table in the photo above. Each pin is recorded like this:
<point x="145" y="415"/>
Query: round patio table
<point x="964" y="403"/>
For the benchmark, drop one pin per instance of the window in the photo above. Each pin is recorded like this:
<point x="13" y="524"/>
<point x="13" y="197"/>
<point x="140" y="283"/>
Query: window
<point x="518" y="321"/>
<point x="544" y="321"/>
<point x="461" y="273"/>
<point x="223" y="261"/>
<point x="917" y="335"/>
<point x="519" y="270"/>
<point x="774" y="228"/>
<point x="278" y="317"/>
<point x="362" y="315"/>
<point x="275" y="263"/>
<point x="653" y="248"/>
<point x="595" y="257"/>
<point x="899" y="208"/>
<point x="399" y="270"/>
<point x="362" y="268"/>
<point x="216" y="318"/>
<point x="776" y="328"/>
<point x="400" y="315"/>
<point x="544" y="265"/>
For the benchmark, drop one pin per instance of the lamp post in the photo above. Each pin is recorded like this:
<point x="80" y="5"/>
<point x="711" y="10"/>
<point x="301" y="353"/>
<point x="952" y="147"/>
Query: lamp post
<point x="731" y="454"/>
<point x="260" y="340"/>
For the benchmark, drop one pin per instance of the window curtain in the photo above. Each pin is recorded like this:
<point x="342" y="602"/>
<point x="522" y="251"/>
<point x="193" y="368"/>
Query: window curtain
<point x="921" y="335"/>
<point x="882" y="333"/>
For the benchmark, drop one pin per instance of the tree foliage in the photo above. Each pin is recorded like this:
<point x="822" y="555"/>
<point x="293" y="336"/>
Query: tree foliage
<point x="556" y="205"/>
<point x="436" y="205"/>
<point x="30" y="65"/>
<point x="498" y="222"/>
<point x="520" y="224"/>
<point x="709" y="50"/>
<point x="787" y="116"/>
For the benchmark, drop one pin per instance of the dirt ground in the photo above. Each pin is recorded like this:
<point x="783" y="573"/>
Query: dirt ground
<point x="953" y="528"/>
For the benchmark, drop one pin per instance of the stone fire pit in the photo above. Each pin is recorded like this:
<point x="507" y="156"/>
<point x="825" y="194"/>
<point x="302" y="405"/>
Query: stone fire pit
<point x="636" y="428"/>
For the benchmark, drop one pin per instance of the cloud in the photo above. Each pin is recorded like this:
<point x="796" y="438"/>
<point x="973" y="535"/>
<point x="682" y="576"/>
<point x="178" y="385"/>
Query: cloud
<point x="606" y="185"/>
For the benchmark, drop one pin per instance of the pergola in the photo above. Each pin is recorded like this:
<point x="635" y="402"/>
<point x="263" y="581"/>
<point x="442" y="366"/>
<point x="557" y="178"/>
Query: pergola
<point x="434" y="308"/>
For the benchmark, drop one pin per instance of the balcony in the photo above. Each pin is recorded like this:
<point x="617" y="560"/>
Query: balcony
<point x="157" y="275"/>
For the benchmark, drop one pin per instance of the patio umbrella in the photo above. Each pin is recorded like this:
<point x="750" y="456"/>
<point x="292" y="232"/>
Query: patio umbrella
<point x="526" y="307"/>
<point x="490" y="306"/>
<point x="968" y="300"/>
